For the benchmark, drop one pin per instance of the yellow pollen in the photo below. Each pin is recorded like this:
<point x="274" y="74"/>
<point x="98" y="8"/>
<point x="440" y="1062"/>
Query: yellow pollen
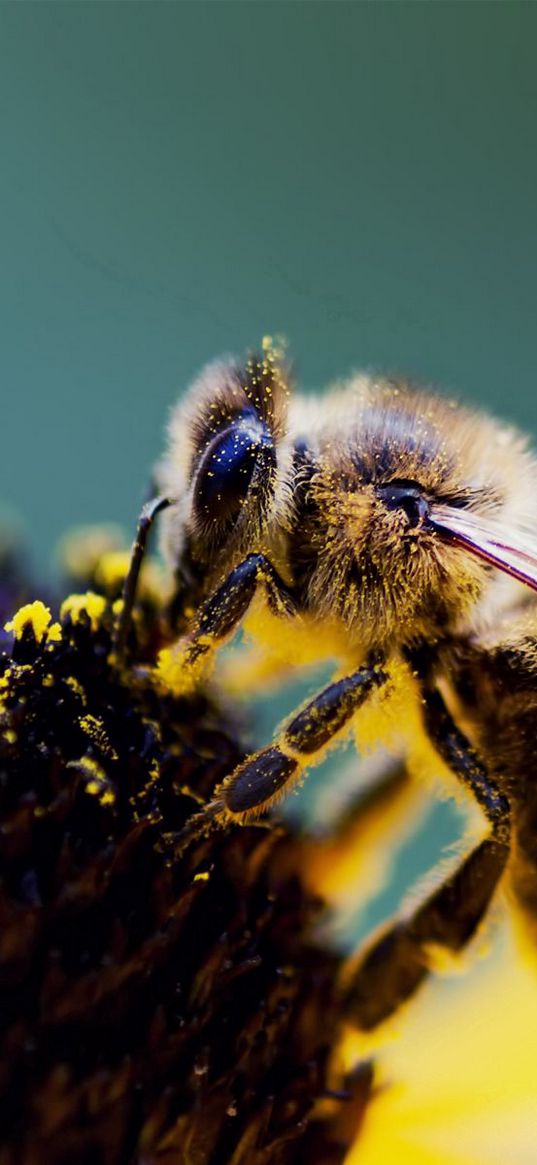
<point x="38" y="617"/>
<point x="90" y="604"/>
<point x="112" y="569"/>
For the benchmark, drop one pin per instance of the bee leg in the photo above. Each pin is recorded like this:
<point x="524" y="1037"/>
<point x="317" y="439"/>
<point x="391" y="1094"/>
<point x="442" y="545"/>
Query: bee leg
<point x="181" y="666"/>
<point x="145" y="522"/>
<point x="262" y="778"/>
<point x="377" y="982"/>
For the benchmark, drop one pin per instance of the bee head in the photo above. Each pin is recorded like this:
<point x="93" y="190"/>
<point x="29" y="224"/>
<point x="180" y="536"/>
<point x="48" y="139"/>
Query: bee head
<point x="399" y="495"/>
<point x="223" y="455"/>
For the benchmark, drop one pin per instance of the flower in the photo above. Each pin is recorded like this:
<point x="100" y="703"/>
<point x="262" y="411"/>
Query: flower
<point x="154" y="1008"/>
<point x="184" y="1010"/>
<point x="458" y="1086"/>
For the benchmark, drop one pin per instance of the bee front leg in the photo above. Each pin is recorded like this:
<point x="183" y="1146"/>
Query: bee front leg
<point x="264" y="777"/>
<point x="181" y="667"/>
<point x="377" y="982"/>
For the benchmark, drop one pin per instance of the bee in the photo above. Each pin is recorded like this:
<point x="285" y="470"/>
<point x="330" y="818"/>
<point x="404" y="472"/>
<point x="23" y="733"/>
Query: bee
<point x="393" y="531"/>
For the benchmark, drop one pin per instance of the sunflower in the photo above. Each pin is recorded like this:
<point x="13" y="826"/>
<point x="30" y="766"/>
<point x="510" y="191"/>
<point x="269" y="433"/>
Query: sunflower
<point x="184" y="1009"/>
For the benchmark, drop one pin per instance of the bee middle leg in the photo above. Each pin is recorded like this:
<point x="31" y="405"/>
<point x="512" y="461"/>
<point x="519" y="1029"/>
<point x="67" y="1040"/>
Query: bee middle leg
<point x="263" y="777"/>
<point x="378" y="981"/>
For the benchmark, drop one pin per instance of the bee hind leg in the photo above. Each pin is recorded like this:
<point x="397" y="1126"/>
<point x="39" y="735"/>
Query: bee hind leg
<point x="395" y="964"/>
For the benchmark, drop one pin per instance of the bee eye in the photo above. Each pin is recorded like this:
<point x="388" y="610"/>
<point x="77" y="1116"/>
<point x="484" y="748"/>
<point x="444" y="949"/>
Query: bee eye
<point x="227" y="467"/>
<point x="407" y="496"/>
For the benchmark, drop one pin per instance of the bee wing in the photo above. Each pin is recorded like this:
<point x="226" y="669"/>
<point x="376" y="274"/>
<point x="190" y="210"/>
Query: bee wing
<point x="512" y="551"/>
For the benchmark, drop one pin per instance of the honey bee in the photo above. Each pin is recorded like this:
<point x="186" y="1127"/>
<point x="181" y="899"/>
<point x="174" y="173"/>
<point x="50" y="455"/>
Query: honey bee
<point x="393" y="531"/>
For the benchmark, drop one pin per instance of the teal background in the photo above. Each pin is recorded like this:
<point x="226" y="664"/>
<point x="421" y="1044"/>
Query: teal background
<point x="178" y="179"/>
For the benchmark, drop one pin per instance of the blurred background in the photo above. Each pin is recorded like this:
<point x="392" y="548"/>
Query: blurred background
<point x="179" y="179"/>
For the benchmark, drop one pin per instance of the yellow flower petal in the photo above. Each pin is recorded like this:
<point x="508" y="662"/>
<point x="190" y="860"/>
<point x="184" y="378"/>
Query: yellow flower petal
<point x="459" y="1085"/>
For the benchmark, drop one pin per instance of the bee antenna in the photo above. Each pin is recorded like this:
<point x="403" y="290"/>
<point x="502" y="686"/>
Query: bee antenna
<point x="145" y="522"/>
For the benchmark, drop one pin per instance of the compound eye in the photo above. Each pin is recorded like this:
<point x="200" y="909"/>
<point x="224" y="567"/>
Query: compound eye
<point x="407" y="496"/>
<point x="227" y="467"/>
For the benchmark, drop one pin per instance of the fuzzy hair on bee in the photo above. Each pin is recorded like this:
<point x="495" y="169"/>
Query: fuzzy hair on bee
<point x="324" y="487"/>
<point x="392" y="530"/>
